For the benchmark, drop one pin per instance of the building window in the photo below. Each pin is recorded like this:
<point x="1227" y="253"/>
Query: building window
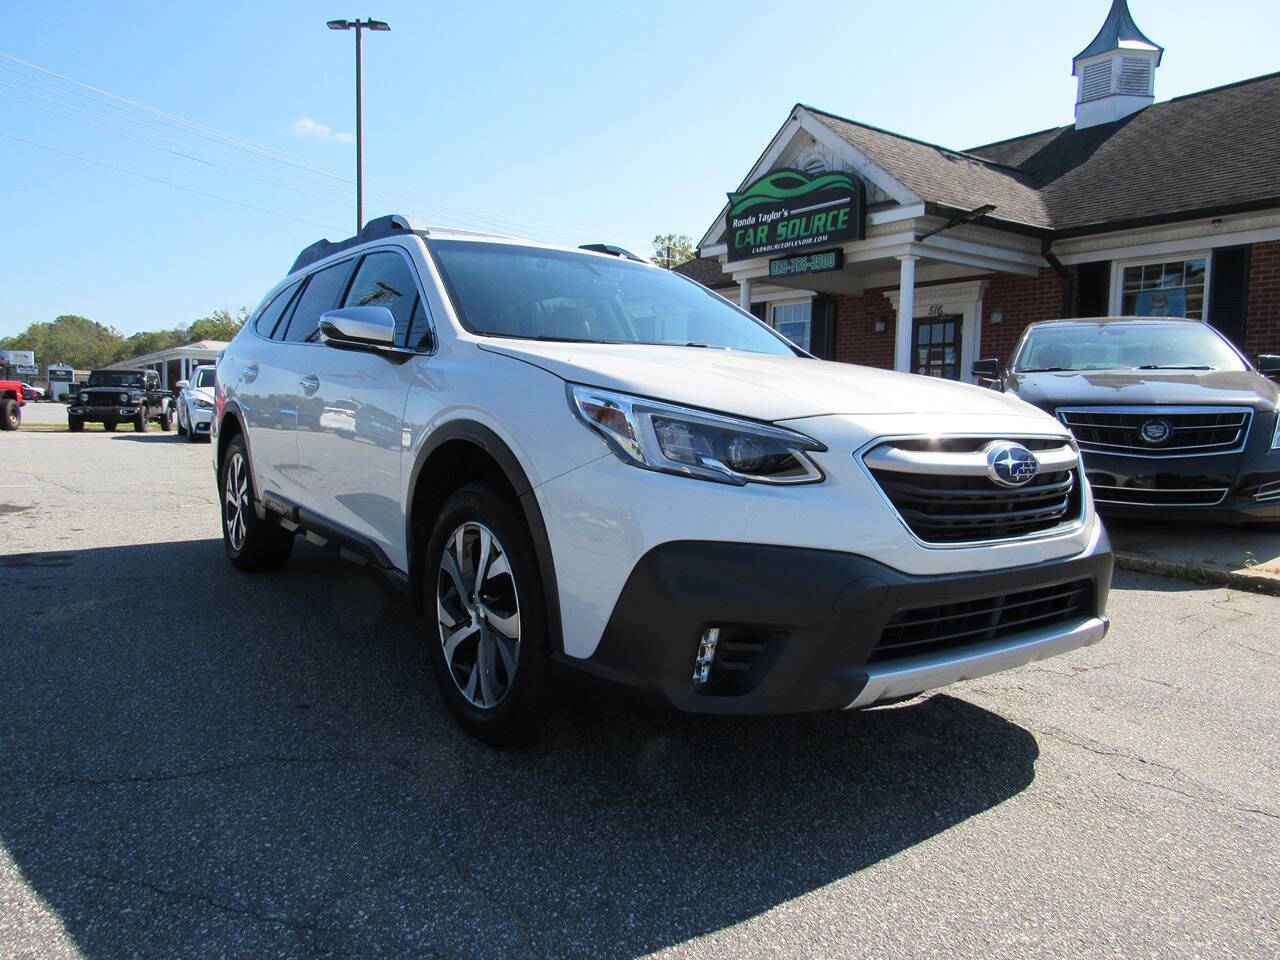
<point x="794" y="320"/>
<point x="1174" y="288"/>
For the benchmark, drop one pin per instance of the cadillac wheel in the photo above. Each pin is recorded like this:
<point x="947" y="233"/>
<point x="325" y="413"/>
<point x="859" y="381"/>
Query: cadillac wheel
<point x="489" y="646"/>
<point x="252" y="543"/>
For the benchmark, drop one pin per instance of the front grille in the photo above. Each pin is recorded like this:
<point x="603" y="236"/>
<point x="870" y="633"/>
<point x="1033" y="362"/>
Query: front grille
<point x="923" y="630"/>
<point x="963" y="505"/>
<point x="1158" y="497"/>
<point x="104" y="400"/>
<point x="1192" y="430"/>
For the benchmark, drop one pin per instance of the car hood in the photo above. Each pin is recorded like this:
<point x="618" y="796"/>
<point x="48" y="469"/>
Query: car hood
<point x="754" y="385"/>
<point x="1144" y="387"/>
<point x="110" y="390"/>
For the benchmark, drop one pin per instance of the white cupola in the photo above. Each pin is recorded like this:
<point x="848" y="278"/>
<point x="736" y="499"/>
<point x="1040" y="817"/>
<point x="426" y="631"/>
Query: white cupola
<point x="1115" y="74"/>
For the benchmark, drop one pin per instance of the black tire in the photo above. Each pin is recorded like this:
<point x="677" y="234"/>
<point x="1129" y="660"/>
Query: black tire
<point x="251" y="543"/>
<point x="519" y="682"/>
<point x="140" y="422"/>
<point x="166" y="419"/>
<point x="10" y="414"/>
<point x="75" y="424"/>
<point x="109" y="426"/>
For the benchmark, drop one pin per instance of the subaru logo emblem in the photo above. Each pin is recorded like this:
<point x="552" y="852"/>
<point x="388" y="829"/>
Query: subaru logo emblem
<point x="1011" y="464"/>
<point x="1155" y="431"/>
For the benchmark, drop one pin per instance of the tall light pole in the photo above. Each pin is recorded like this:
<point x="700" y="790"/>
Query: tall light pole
<point x="358" y="26"/>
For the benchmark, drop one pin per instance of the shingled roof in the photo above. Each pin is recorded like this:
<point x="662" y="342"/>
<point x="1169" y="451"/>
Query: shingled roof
<point x="1210" y="151"/>
<point x="707" y="271"/>
<point x="1215" y="149"/>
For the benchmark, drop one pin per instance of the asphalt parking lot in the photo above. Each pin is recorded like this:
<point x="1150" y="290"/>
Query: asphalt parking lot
<point x="203" y="763"/>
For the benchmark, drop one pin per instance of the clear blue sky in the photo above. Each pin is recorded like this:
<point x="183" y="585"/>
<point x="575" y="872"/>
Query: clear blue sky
<point x="616" y="120"/>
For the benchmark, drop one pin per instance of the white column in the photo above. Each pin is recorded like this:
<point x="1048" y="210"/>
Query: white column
<point x="906" y="313"/>
<point x="744" y="294"/>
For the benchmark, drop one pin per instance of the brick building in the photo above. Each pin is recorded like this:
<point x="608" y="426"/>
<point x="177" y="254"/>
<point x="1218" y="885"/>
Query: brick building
<point x="1139" y="208"/>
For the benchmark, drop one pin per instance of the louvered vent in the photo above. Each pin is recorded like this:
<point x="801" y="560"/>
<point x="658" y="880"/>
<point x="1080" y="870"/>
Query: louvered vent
<point x="1096" y="82"/>
<point x="1135" y="77"/>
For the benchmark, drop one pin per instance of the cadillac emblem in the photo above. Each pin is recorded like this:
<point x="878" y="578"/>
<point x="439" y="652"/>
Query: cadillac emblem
<point x="1155" y="432"/>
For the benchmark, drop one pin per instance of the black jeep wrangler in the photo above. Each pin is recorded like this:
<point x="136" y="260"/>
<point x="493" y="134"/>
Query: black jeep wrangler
<point x="121" y="396"/>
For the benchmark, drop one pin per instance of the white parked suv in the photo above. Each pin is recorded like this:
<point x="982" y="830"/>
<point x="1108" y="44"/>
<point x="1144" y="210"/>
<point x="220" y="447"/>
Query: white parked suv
<point x="195" y="403"/>
<point x="577" y="461"/>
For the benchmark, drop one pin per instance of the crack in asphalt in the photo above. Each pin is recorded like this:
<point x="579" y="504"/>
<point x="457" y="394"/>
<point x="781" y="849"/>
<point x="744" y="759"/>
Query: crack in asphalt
<point x="1201" y="797"/>
<point x="183" y="774"/>
<point x="177" y="895"/>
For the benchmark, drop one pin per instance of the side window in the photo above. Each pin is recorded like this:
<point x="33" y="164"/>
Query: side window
<point x="271" y="313"/>
<point x="420" y="327"/>
<point x="320" y="294"/>
<point x="385" y="279"/>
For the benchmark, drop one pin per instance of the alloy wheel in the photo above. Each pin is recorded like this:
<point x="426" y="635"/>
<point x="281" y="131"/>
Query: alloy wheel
<point x="237" y="500"/>
<point x="478" y="611"/>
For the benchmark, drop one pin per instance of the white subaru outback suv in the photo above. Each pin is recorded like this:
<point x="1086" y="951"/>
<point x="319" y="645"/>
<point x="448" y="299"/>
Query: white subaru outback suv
<point x="577" y="461"/>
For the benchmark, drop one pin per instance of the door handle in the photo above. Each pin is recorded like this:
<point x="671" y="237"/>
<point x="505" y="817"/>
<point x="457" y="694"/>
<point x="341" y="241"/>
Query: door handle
<point x="309" y="383"/>
<point x="250" y="372"/>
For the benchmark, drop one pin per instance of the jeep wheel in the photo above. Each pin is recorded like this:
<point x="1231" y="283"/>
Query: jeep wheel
<point x="251" y="543"/>
<point x="166" y="419"/>
<point x="75" y="424"/>
<point x="109" y="426"/>
<point x="488" y="646"/>
<point x="10" y="414"/>
<point x="140" y="422"/>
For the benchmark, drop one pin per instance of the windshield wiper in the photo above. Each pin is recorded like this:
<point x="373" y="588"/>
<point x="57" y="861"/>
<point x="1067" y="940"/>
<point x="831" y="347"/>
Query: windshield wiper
<point x="1047" y="370"/>
<point x="1172" y="366"/>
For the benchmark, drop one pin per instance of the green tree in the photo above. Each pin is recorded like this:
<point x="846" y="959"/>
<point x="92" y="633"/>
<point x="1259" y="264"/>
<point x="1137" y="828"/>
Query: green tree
<point x="672" y="249"/>
<point x="70" y="339"/>
<point x="150" y="341"/>
<point x="219" y="325"/>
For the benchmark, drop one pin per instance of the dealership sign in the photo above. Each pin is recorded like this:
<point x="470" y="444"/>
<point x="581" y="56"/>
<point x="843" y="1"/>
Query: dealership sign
<point x="790" y="210"/>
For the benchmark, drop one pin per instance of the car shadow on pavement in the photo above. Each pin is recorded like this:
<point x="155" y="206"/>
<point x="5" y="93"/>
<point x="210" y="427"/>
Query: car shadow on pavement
<point x="201" y="762"/>
<point x="149" y="437"/>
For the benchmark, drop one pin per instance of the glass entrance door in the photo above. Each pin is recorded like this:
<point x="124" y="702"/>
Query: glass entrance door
<point x="935" y="347"/>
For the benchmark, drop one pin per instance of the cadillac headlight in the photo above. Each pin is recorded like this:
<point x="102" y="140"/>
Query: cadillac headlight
<point x="692" y="443"/>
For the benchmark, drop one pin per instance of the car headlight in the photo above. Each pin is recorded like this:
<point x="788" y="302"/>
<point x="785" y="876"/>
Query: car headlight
<point x="691" y="443"/>
<point x="1275" y="436"/>
<point x="84" y="397"/>
<point x="124" y="398"/>
<point x="202" y="404"/>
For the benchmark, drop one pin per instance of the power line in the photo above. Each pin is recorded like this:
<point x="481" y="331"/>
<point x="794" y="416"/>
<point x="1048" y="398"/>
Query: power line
<point x="141" y="112"/>
<point x="167" y="183"/>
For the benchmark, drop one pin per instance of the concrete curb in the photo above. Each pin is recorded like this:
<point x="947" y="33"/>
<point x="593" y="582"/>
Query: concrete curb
<point x="1268" y="583"/>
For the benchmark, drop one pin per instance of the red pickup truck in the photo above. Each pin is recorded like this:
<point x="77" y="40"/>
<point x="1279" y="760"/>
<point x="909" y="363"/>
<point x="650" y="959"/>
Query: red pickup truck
<point x="11" y="402"/>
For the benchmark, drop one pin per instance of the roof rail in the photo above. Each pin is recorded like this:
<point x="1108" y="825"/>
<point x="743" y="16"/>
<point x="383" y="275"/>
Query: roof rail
<point x="377" y="228"/>
<point x="613" y="251"/>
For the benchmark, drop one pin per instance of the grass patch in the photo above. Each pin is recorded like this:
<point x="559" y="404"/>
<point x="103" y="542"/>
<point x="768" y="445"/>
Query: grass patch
<point x="88" y="428"/>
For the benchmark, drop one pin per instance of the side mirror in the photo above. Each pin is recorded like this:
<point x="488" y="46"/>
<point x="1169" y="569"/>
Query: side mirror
<point x="182" y="384"/>
<point x="1269" y="365"/>
<point x="987" y="369"/>
<point x="358" y="328"/>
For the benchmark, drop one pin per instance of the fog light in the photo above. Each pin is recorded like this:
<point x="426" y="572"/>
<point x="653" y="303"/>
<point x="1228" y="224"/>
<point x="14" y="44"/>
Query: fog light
<point x="706" y="653"/>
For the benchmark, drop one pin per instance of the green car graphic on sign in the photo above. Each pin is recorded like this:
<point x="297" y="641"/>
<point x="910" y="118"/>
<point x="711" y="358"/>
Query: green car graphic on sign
<point x="788" y="209"/>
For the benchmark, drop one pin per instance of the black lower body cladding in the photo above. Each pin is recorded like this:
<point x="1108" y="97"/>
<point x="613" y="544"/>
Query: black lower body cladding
<point x="799" y="627"/>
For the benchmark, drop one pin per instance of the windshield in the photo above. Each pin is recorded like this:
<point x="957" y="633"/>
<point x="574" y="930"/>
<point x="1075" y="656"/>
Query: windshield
<point x="115" y="378"/>
<point x="1125" y="346"/>
<point x="204" y="377"/>
<point x="502" y="290"/>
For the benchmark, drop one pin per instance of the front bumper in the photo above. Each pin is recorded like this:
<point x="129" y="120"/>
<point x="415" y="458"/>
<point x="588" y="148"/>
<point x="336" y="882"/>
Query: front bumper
<point x="1227" y="487"/>
<point x="201" y="421"/>
<point x="103" y="414"/>
<point x="803" y="629"/>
